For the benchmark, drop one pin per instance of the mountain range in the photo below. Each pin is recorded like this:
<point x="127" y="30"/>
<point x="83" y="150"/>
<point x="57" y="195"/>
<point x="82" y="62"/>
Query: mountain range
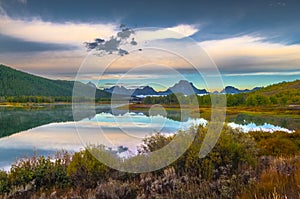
<point x="183" y="86"/>
<point x="233" y="90"/>
<point x="17" y="83"/>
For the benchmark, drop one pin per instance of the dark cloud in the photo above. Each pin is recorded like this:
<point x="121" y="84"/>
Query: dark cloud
<point x="125" y="33"/>
<point x="272" y="18"/>
<point x="133" y="42"/>
<point x="99" y="40"/>
<point x="249" y="64"/>
<point x="11" y="44"/>
<point x="113" y="45"/>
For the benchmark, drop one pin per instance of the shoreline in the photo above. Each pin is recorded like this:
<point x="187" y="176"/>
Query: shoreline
<point x="34" y="104"/>
<point x="293" y="110"/>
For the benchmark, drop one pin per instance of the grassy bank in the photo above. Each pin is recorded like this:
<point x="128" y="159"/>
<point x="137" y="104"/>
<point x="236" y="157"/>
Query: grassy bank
<point x="35" y="104"/>
<point x="287" y="111"/>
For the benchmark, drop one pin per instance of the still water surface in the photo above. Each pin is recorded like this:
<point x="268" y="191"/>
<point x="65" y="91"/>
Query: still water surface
<point x="45" y="130"/>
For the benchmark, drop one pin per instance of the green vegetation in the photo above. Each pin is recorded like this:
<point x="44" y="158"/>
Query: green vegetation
<point x="285" y="93"/>
<point x="17" y="86"/>
<point x="42" y="173"/>
<point x="86" y="171"/>
<point x="252" y="165"/>
<point x="35" y="99"/>
<point x="277" y="143"/>
<point x="239" y="166"/>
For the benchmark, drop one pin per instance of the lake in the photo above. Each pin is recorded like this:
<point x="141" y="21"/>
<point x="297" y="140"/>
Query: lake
<point x="47" y="129"/>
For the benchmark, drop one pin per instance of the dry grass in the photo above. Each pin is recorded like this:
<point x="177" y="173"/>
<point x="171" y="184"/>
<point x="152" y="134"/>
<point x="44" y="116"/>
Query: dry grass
<point x="280" y="180"/>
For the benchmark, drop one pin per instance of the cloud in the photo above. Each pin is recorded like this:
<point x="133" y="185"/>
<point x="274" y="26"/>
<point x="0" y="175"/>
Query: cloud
<point x="264" y="73"/>
<point x="175" y="32"/>
<point x="106" y="37"/>
<point x="252" y="54"/>
<point x="184" y="29"/>
<point x="37" y="30"/>
<point x="2" y="12"/>
<point x="22" y="1"/>
<point x="13" y="45"/>
<point x="45" y="62"/>
<point x="120" y="43"/>
<point x="41" y="31"/>
<point x="277" y="4"/>
<point x="113" y="44"/>
<point x="117" y="76"/>
<point x="237" y="55"/>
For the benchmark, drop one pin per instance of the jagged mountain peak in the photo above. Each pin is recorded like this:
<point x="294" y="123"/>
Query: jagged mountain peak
<point x="91" y="84"/>
<point x="183" y="86"/>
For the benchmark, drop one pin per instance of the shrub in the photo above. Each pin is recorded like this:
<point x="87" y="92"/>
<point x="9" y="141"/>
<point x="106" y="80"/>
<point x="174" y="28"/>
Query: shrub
<point x="233" y="148"/>
<point x="278" y="147"/>
<point x="39" y="172"/>
<point x="4" y="182"/>
<point x="85" y="170"/>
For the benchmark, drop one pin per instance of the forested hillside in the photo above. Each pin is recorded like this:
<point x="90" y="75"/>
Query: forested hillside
<point x="285" y="93"/>
<point x="14" y="83"/>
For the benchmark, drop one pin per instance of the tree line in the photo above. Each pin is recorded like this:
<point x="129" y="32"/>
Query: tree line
<point x="48" y="99"/>
<point x="241" y="99"/>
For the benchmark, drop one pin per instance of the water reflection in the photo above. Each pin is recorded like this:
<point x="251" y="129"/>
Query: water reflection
<point x="55" y="129"/>
<point x="14" y="120"/>
<point x="259" y="119"/>
<point x="125" y="129"/>
<point x="254" y="127"/>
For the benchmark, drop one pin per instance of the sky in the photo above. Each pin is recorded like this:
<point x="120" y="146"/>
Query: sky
<point x="248" y="43"/>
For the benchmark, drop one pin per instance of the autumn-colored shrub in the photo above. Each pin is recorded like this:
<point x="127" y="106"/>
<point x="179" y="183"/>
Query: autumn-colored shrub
<point x="277" y="147"/>
<point x="277" y="143"/>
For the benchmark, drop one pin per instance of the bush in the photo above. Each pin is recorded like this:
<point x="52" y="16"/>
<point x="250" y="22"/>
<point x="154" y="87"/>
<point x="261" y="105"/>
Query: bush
<point x="230" y="170"/>
<point x="278" y="147"/>
<point x="39" y="173"/>
<point x="277" y="143"/>
<point x="4" y="182"/>
<point x="233" y="148"/>
<point x="85" y="170"/>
